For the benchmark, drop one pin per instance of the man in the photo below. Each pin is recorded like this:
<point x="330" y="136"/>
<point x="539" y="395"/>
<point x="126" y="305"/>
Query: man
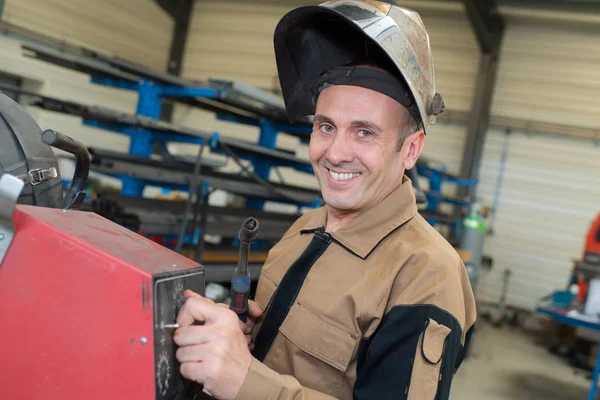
<point x="363" y="299"/>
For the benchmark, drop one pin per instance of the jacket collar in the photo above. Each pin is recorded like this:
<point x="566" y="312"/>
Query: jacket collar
<point x="367" y="230"/>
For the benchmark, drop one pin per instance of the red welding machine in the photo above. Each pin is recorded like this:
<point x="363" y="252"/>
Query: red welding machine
<point x="592" y="244"/>
<point x="84" y="302"/>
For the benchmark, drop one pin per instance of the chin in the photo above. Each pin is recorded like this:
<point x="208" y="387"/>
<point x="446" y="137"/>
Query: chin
<point x="339" y="202"/>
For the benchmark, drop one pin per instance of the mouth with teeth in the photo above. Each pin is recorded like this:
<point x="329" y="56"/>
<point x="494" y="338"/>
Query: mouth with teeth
<point x="342" y="176"/>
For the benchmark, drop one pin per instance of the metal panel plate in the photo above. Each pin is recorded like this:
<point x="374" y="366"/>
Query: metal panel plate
<point x="168" y="299"/>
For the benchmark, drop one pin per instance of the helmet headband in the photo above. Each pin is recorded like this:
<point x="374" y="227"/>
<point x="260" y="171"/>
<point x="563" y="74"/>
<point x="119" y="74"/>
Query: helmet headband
<point x="369" y="78"/>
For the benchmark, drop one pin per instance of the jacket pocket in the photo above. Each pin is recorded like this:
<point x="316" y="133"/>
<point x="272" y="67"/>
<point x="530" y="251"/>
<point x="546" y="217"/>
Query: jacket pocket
<point x="428" y="361"/>
<point x="319" y="349"/>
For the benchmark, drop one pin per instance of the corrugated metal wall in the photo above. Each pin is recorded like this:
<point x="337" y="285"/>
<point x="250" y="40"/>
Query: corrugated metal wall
<point x="138" y="30"/>
<point x="550" y="191"/>
<point x="234" y="40"/>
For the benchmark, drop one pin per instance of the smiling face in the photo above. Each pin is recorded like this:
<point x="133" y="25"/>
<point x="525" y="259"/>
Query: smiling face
<point x="353" y="147"/>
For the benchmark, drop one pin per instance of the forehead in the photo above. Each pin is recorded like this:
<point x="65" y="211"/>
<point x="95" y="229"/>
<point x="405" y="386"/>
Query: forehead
<point x="346" y="103"/>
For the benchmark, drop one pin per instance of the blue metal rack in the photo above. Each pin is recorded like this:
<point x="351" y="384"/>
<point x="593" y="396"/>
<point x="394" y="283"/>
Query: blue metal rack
<point x="250" y="107"/>
<point x="437" y="177"/>
<point x="150" y="98"/>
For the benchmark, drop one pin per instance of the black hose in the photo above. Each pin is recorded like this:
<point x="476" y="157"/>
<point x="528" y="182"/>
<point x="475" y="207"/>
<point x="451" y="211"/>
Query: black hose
<point x="192" y="189"/>
<point x="75" y="195"/>
<point x="257" y="178"/>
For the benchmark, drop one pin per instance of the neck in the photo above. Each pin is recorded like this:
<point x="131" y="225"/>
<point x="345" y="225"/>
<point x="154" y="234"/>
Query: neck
<point x="336" y="220"/>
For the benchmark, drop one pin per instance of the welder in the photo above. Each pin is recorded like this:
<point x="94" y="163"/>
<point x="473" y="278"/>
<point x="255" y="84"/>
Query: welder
<point x="361" y="298"/>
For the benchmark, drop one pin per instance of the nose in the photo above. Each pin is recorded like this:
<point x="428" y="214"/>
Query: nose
<point x="340" y="150"/>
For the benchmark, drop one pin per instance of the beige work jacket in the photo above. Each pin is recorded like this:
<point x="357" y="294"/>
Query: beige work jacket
<point x="385" y="312"/>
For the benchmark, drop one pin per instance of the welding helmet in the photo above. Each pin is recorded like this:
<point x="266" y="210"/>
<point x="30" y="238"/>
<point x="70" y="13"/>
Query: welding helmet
<point x="324" y="43"/>
<point x="24" y="155"/>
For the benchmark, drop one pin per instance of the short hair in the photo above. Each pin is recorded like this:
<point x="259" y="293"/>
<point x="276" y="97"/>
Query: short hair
<point x="409" y="127"/>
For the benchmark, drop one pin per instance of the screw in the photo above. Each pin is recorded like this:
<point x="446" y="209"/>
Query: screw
<point x="175" y="266"/>
<point x="1" y="236"/>
<point x="143" y="340"/>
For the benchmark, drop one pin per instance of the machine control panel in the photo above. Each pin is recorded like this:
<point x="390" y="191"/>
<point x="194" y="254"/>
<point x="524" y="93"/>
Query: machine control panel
<point x="167" y="300"/>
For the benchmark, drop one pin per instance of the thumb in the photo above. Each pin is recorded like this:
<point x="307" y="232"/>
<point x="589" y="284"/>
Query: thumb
<point x="254" y="309"/>
<point x="199" y="309"/>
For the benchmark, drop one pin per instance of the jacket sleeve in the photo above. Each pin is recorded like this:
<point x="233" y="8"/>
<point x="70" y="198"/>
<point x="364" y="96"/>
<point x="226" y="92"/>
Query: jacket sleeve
<point x="414" y="353"/>
<point x="263" y="383"/>
<point x="422" y="338"/>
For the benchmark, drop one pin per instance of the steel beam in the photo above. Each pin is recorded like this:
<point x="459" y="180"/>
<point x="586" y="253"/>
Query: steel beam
<point x="181" y="11"/>
<point x="487" y="23"/>
<point x="477" y="125"/>
<point x="488" y="27"/>
<point x="168" y="6"/>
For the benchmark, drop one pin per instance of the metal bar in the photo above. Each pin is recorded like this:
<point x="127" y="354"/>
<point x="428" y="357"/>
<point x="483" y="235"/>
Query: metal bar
<point x="178" y="91"/>
<point x="203" y="225"/>
<point x="245" y="150"/>
<point x="180" y="181"/>
<point x="115" y="82"/>
<point x="488" y="26"/>
<point x="500" y="180"/>
<point x="262" y="167"/>
<point x="116" y="121"/>
<point x="76" y="62"/>
<point x="181" y="13"/>
<point x="239" y="119"/>
<point x="594" y="387"/>
<point x="487" y="23"/>
<point x="478" y="122"/>
<point x="168" y="6"/>
<point x="149" y="100"/>
<point x="167" y="162"/>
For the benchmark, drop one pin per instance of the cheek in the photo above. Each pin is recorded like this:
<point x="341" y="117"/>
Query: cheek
<point x="372" y="158"/>
<point x="316" y="148"/>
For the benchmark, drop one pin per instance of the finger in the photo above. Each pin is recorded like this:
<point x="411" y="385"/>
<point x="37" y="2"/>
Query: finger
<point x="247" y="326"/>
<point x="194" y="371"/>
<point x="248" y="339"/>
<point x="193" y="353"/>
<point x="202" y="310"/>
<point x="191" y="293"/>
<point x="254" y="309"/>
<point x="193" y="335"/>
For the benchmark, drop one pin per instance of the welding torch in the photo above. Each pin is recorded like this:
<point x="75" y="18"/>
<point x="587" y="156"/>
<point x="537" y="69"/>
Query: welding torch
<point x="241" y="281"/>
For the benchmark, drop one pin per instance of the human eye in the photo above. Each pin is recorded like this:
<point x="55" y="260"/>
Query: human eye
<point x="363" y="133"/>
<point x="326" y="128"/>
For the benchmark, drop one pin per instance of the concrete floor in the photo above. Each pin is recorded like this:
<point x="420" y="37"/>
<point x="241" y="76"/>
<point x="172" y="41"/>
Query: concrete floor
<point x="506" y="364"/>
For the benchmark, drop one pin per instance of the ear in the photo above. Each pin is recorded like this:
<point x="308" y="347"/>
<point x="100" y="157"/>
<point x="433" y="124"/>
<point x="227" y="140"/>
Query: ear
<point x="413" y="145"/>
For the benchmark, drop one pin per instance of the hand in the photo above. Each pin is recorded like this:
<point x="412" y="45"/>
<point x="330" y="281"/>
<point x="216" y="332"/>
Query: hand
<point x="254" y="313"/>
<point x="216" y="353"/>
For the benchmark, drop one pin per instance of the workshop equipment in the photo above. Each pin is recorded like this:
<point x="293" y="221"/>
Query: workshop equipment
<point x="25" y="156"/>
<point x="241" y="281"/>
<point x="592" y="244"/>
<point x="85" y="299"/>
